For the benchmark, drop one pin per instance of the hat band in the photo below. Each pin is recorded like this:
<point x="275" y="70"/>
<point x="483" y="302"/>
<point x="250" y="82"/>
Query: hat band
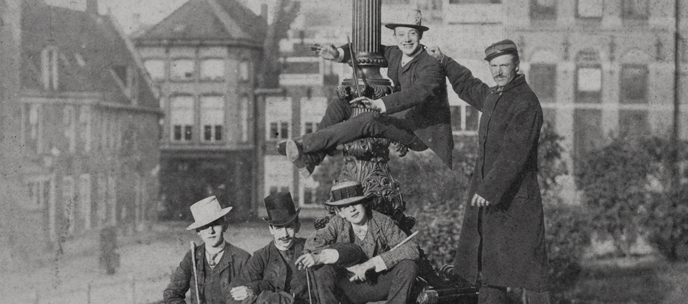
<point x="346" y="192"/>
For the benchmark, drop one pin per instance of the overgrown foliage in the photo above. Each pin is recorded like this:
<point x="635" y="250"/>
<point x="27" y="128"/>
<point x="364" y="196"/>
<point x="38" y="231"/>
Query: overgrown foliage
<point x="627" y="186"/>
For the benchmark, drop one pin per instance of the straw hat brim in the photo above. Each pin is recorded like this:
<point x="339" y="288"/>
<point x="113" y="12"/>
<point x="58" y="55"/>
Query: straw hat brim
<point x="348" y="201"/>
<point x="220" y="214"/>
<point x="421" y="28"/>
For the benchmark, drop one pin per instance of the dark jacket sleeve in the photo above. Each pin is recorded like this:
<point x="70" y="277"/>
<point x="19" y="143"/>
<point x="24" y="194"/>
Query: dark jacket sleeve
<point x="179" y="283"/>
<point x="520" y="138"/>
<point x="470" y="89"/>
<point x="428" y="84"/>
<point x="252" y="273"/>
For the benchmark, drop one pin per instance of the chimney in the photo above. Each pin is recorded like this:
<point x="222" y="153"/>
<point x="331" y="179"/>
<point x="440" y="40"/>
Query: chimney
<point x="264" y="11"/>
<point x="92" y="7"/>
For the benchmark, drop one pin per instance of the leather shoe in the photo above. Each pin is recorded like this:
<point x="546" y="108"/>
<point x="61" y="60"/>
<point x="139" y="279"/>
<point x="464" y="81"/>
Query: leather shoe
<point x="282" y="147"/>
<point x="305" y="162"/>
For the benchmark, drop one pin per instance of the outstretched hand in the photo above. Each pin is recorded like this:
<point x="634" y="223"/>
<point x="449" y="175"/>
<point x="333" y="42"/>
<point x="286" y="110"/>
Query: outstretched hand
<point x="359" y="272"/>
<point x="328" y="51"/>
<point x="435" y="52"/>
<point x="373" y="104"/>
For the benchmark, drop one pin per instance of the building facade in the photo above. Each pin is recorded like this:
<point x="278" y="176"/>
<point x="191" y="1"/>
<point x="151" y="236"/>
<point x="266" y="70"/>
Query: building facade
<point x="84" y="141"/>
<point x="204" y="58"/>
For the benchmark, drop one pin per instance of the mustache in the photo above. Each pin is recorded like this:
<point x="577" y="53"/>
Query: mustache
<point x="286" y="238"/>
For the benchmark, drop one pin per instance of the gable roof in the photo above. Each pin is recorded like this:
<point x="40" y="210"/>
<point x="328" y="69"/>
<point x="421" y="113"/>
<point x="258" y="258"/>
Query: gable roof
<point x="88" y="46"/>
<point x="209" y="19"/>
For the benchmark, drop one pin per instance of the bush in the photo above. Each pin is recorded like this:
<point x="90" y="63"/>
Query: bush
<point x="627" y="186"/>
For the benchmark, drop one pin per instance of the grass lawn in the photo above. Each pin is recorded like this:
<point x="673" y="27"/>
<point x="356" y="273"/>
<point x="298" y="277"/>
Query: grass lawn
<point x="638" y="280"/>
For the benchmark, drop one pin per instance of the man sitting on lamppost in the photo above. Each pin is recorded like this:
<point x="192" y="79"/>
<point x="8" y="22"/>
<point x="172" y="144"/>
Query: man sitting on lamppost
<point x="383" y="274"/>
<point x="416" y="115"/>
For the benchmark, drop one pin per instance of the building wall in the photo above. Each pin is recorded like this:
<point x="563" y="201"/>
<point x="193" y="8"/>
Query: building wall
<point x="208" y="133"/>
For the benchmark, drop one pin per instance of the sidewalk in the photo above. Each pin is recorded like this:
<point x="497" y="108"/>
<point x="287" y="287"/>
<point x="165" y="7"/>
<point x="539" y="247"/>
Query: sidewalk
<point x="146" y="261"/>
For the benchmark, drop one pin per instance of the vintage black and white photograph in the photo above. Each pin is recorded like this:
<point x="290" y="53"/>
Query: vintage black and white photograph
<point x="344" y="151"/>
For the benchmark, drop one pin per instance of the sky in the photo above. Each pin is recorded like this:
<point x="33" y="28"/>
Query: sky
<point x="149" y="11"/>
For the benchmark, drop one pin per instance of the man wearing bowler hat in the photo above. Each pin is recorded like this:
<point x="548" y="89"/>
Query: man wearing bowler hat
<point x="381" y="274"/>
<point x="271" y="276"/>
<point x="217" y="262"/>
<point x="502" y="241"/>
<point x="416" y="114"/>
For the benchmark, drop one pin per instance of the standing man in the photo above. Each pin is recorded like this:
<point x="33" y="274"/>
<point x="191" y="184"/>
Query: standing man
<point x="502" y="241"/>
<point x="217" y="262"/>
<point x="378" y="274"/>
<point x="270" y="276"/>
<point x="416" y="115"/>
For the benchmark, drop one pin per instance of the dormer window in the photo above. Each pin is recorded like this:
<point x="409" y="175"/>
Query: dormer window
<point x="128" y="80"/>
<point x="49" y="69"/>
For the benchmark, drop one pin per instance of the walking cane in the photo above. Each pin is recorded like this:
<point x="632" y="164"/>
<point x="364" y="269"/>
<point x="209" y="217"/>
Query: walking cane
<point x="308" y="282"/>
<point x="193" y="262"/>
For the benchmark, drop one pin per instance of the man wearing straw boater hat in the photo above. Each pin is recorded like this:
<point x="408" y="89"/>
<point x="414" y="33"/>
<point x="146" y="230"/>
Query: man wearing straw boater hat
<point x="271" y="276"/>
<point x="416" y="115"/>
<point x="502" y="241"/>
<point x="207" y="270"/>
<point x="388" y="266"/>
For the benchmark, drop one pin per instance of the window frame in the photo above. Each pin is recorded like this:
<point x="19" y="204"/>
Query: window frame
<point x="220" y="78"/>
<point x="194" y="73"/>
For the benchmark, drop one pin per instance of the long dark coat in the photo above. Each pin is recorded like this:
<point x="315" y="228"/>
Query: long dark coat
<point x="420" y="99"/>
<point x="268" y="271"/>
<point x="513" y="231"/>
<point x="182" y="279"/>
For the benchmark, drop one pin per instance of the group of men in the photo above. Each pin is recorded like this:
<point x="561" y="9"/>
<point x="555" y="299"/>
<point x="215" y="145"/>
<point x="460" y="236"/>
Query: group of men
<point x="361" y="255"/>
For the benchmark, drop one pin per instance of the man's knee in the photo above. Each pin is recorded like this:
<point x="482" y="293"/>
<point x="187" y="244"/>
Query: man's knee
<point x="407" y="268"/>
<point x="325" y="273"/>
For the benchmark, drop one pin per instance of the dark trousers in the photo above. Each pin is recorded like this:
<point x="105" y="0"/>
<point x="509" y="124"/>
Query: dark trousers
<point x="338" y="127"/>
<point x="498" y="295"/>
<point x="393" y="285"/>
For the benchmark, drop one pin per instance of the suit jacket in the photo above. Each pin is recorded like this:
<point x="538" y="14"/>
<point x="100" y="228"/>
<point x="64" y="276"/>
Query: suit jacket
<point x="505" y="174"/>
<point x="420" y="98"/>
<point x="233" y="259"/>
<point x="268" y="271"/>
<point x="382" y="229"/>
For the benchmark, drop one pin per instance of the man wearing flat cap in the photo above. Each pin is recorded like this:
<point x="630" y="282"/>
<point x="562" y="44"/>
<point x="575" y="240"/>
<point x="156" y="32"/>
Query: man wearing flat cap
<point x="271" y="275"/>
<point x="217" y="262"/>
<point x="416" y="114"/>
<point x="502" y="241"/>
<point x="380" y="273"/>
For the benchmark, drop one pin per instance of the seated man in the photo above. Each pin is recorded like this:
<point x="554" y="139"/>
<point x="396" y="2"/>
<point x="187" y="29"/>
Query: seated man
<point x="270" y="276"/>
<point x="384" y="274"/>
<point x="417" y="115"/>
<point x="217" y="262"/>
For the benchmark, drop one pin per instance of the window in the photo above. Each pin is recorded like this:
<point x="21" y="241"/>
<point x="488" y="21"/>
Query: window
<point x="212" y="118"/>
<point x="310" y="127"/>
<point x="39" y="192"/>
<point x="278" y="117"/>
<point x="69" y="127"/>
<point x="35" y="128"/>
<point x="280" y="175"/>
<point x="68" y="200"/>
<point x="85" y="199"/>
<point x="636" y="9"/>
<point x="112" y="198"/>
<point x="85" y="126"/>
<point x="182" y="70"/>
<point x="543" y="9"/>
<point x="312" y="111"/>
<point x="49" y="68"/>
<point x="587" y="116"/>
<point x="102" y="200"/>
<point x="464" y="118"/>
<point x="590" y="8"/>
<point x="127" y="78"/>
<point x="182" y="118"/>
<point x="588" y="135"/>
<point x="244" y="70"/>
<point x="244" y="118"/>
<point x="212" y="69"/>
<point x="633" y="84"/>
<point x="543" y="80"/>
<point x="588" y="77"/>
<point x="297" y="67"/>
<point x="633" y="123"/>
<point x="155" y="68"/>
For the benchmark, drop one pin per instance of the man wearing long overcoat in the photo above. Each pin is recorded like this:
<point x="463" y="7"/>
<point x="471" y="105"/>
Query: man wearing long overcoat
<point x="502" y="241"/>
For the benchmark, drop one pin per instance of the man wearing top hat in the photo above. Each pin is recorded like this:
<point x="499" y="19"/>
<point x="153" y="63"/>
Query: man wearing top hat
<point x="217" y="262"/>
<point x="416" y="115"/>
<point x="502" y="241"/>
<point x="381" y="274"/>
<point x="270" y="276"/>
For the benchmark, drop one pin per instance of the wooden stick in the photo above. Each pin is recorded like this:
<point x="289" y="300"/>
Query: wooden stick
<point x="193" y="262"/>
<point x="405" y="240"/>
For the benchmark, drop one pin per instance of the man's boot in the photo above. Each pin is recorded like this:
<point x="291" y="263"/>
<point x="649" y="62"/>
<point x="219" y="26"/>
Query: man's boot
<point x="306" y="162"/>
